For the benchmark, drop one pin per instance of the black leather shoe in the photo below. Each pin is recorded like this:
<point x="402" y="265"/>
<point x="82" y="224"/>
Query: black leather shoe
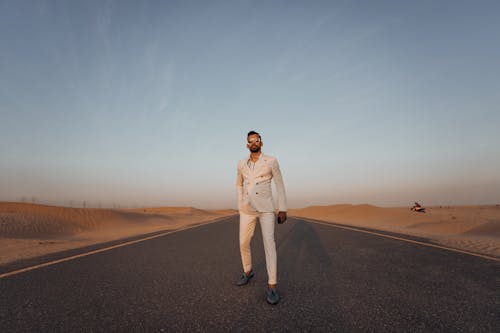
<point x="244" y="279"/>
<point x="273" y="297"/>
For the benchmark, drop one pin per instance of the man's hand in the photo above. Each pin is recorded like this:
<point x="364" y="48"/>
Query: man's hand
<point x="282" y="217"/>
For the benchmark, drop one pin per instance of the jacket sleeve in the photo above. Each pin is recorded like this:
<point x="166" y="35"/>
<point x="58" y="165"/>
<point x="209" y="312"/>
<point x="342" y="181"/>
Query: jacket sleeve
<point x="239" y="186"/>
<point x="280" y="186"/>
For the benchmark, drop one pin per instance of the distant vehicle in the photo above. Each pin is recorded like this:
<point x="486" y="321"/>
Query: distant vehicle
<point x="418" y="208"/>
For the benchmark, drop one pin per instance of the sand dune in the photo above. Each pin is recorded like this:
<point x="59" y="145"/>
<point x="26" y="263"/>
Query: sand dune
<point x="18" y="220"/>
<point x="472" y="228"/>
<point x="28" y="230"/>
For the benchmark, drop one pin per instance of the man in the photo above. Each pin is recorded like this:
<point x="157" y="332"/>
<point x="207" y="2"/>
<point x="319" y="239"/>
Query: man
<point x="255" y="201"/>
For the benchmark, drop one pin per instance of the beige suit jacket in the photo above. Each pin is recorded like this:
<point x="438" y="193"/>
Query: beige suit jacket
<point x="254" y="186"/>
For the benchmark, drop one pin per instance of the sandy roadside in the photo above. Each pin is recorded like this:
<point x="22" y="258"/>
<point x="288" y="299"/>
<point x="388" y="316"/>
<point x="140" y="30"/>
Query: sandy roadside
<point x="471" y="228"/>
<point x="30" y="230"/>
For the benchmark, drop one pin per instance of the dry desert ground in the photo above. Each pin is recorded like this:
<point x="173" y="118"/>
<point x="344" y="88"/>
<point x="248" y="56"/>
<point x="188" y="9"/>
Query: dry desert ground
<point x="470" y="228"/>
<point x="31" y="230"/>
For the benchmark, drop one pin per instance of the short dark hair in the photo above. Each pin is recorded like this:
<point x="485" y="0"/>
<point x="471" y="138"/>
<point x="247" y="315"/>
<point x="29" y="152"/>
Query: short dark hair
<point x="252" y="133"/>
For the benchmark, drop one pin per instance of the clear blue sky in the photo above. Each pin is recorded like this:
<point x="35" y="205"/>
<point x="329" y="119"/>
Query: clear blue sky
<point x="149" y="102"/>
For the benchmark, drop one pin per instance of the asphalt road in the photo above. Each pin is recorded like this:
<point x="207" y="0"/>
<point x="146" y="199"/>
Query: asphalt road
<point x="330" y="279"/>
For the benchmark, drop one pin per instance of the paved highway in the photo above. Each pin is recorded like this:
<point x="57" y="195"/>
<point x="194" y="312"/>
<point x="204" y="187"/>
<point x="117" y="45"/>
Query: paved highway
<point x="331" y="279"/>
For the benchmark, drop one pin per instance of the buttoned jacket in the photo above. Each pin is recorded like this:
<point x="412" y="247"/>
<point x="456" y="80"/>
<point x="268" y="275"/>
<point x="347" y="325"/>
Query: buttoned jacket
<point x="254" y="185"/>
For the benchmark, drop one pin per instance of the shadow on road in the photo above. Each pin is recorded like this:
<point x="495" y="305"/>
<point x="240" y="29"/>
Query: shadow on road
<point x="305" y="279"/>
<point x="300" y="251"/>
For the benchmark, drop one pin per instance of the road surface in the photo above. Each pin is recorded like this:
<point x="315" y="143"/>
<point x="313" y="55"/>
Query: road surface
<point x="330" y="279"/>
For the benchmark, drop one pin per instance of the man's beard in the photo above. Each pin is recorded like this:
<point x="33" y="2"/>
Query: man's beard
<point x="255" y="149"/>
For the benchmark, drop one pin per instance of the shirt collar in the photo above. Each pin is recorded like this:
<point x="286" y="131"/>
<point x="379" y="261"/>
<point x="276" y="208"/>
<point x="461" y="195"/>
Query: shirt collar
<point x="249" y="160"/>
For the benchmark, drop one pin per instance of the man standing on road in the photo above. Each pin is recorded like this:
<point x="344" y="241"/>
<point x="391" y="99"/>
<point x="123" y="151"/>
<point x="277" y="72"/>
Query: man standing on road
<point x="255" y="201"/>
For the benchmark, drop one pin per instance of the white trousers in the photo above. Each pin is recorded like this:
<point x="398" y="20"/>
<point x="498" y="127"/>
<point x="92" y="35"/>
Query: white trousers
<point x="247" y="228"/>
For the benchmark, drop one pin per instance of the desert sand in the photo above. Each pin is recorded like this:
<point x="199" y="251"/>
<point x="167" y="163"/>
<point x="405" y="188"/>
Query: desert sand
<point x="470" y="228"/>
<point x="31" y="230"/>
